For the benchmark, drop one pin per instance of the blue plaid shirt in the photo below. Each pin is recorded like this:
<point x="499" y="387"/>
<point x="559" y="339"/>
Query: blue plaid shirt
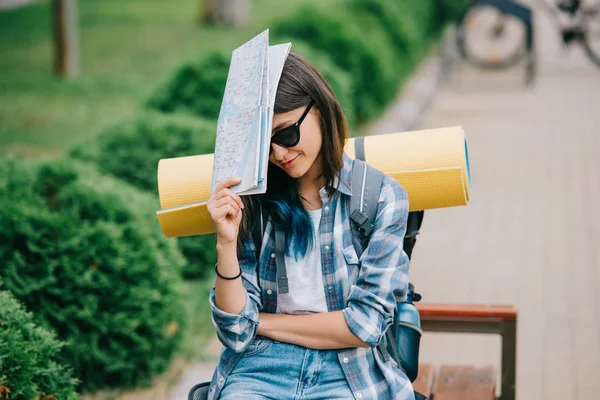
<point x="366" y="289"/>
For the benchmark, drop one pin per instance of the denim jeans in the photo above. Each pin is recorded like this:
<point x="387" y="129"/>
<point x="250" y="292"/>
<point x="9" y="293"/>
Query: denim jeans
<point x="275" y="370"/>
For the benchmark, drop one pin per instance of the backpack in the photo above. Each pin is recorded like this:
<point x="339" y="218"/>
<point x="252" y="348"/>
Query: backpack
<point x="402" y="339"/>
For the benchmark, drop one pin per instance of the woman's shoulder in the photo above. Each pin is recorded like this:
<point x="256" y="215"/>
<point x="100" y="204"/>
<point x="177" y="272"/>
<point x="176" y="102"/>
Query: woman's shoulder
<point x="392" y="190"/>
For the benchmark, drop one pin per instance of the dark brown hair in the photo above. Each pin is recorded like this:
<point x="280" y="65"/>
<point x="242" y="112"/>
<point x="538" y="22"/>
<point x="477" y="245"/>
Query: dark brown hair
<point x="300" y="84"/>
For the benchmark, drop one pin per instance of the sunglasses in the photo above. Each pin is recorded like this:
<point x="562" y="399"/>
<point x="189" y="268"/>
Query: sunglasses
<point x="289" y="136"/>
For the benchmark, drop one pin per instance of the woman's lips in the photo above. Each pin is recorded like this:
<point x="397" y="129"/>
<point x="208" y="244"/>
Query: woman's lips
<point x="290" y="163"/>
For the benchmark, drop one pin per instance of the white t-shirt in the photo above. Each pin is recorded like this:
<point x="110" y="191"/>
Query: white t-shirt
<point x="305" y="280"/>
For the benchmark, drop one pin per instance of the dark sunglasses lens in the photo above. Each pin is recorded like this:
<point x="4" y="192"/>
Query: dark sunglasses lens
<point x="287" y="137"/>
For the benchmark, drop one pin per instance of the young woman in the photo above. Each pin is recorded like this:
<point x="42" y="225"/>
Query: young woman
<point x="317" y="340"/>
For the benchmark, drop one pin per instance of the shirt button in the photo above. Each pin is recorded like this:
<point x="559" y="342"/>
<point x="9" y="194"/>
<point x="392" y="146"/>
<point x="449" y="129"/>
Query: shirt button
<point x="326" y="247"/>
<point x="330" y="287"/>
<point x="359" y="395"/>
<point x="345" y="360"/>
<point x="272" y="255"/>
<point x="269" y="291"/>
<point x="326" y="208"/>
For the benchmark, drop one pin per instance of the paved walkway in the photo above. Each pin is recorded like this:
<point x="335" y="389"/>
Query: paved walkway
<point x="531" y="234"/>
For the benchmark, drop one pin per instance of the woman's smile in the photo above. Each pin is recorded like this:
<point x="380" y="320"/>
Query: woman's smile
<point x="290" y="163"/>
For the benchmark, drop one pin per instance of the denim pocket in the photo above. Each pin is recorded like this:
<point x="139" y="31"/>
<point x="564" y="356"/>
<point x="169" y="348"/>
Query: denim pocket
<point x="256" y="346"/>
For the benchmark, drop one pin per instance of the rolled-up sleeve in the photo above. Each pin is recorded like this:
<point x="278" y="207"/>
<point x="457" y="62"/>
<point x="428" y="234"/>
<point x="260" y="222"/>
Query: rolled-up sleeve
<point x="237" y="331"/>
<point x="383" y="276"/>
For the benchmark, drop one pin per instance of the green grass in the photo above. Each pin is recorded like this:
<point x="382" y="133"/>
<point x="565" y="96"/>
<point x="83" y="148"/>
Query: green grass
<point x="128" y="48"/>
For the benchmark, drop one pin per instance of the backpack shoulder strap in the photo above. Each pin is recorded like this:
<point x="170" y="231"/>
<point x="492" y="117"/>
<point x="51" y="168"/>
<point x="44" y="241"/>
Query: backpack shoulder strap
<point x="257" y="234"/>
<point x="258" y="228"/>
<point x="366" y="186"/>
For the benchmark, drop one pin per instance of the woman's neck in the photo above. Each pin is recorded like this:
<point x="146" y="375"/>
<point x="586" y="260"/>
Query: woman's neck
<point x="310" y="185"/>
<point x="311" y="197"/>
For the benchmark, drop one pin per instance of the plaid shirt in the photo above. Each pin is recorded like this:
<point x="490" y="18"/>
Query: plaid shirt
<point x="366" y="290"/>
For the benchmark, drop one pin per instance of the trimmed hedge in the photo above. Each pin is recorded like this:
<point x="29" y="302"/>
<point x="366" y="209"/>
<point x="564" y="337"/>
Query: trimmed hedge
<point x="83" y="253"/>
<point x="398" y="21"/>
<point x="131" y="151"/>
<point x="196" y="88"/>
<point x="29" y="364"/>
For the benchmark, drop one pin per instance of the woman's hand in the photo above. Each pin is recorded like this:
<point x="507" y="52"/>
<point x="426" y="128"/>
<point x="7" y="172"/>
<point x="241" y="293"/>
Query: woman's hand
<point x="225" y="209"/>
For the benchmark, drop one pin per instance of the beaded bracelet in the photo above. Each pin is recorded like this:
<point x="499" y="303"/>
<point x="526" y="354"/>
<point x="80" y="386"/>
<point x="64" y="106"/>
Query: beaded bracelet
<point x="225" y="277"/>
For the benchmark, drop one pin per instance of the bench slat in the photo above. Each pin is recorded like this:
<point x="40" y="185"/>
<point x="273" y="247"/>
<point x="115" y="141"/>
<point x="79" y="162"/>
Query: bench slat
<point x="424" y="382"/>
<point x="465" y="382"/>
<point x="431" y="310"/>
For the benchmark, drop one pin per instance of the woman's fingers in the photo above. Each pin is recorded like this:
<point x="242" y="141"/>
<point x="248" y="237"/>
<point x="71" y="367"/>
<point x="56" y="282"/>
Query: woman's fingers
<point x="223" y="191"/>
<point x="228" y="200"/>
<point x="226" y="192"/>
<point x="223" y="207"/>
<point x="224" y="212"/>
<point x="227" y="183"/>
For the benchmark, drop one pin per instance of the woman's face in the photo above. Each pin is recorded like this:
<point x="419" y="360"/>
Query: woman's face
<point x="298" y="160"/>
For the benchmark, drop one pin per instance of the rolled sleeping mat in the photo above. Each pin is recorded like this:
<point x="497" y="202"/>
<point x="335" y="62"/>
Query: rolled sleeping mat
<point x="432" y="165"/>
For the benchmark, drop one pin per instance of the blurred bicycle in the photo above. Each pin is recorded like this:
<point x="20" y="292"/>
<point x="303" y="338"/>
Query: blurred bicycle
<point x="578" y="21"/>
<point x="497" y="34"/>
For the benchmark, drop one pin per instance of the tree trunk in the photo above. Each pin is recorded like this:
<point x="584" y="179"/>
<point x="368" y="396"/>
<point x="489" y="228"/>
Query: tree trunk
<point x="208" y="12"/>
<point x="230" y="12"/>
<point x="66" y="38"/>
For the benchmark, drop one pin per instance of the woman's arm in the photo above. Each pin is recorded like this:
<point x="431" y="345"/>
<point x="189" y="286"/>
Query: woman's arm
<point x="234" y="303"/>
<point x="235" y="312"/>
<point x="383" y="278"/>
<point x="315" y="331"/>
<point x="230" y="295"/>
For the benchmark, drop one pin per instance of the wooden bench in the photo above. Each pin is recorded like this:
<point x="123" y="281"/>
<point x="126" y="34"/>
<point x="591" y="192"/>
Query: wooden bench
<point x="464" y="382"/>
<point x="456" y="382"/>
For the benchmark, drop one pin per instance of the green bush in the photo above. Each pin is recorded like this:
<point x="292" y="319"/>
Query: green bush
<point x="200" y="253"/>
<point x="388" y="14"/>
<point x="85" y="254"/>
<point x="131" y="151"/>
<point x="357" y="45"/>
<point x="398" y="20"/>
<point x="29" y="364"/>
<point x="196" y="88"/>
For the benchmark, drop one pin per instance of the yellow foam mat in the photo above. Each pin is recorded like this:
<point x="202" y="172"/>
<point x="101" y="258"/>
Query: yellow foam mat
<point x="184" y="180"/>
<point x="432" y="165"/>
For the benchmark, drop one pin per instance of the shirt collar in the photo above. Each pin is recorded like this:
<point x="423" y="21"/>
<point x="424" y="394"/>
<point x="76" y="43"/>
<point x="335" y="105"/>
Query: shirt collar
<point x="343" y="182"/>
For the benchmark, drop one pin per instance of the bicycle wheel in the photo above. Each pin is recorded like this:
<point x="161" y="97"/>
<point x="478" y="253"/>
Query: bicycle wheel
<point x="591" y="37"/>
<point x="490" y="39"/>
